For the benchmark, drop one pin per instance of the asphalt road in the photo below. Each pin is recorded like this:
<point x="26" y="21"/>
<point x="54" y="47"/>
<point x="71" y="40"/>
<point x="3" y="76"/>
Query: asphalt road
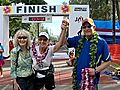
<point x="63" y="79"/>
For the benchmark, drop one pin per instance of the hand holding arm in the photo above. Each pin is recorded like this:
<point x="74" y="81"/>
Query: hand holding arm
<point x="65" y="24"/>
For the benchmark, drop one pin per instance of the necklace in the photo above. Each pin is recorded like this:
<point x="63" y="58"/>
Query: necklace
<point x="93" y="51"/>
<point x="38" y="58"/>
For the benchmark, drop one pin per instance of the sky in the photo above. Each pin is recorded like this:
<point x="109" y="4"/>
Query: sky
<point x="54" y="27"/>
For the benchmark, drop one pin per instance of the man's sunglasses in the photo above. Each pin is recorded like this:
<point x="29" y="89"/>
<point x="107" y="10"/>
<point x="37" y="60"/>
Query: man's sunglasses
<point x="84" y="27"/>
<point x="23" y="37"/>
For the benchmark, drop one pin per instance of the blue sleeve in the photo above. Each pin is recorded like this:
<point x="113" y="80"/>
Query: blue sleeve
<point x="73" y="42"/>
<point x="105" y="52"/>
<point x="1" y="47"/>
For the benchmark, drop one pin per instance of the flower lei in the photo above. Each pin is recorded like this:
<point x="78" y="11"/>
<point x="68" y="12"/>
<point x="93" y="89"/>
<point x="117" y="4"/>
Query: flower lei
<point x="34" y="51"/>
<point x="87" y="82"/>
<point x="38" y="58"/>
<point x="93" y="51"/>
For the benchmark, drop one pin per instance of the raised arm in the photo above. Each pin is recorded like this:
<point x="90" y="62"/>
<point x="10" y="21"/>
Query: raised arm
<point x="64" y="29"/>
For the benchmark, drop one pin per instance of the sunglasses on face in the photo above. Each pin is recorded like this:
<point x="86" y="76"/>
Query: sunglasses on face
<point x="44" y="39"/>
<point x="84" y="27"/>
<point x="23" y="37"/>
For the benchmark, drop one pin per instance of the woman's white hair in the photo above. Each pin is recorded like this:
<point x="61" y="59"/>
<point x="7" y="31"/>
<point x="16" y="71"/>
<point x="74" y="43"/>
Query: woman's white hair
<point x="25" y="33"/>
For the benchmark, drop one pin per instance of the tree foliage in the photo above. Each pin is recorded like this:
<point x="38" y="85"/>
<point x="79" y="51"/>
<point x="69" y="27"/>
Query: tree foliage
<point x="4" y="2"/>
<point x="74" y="2"/>
<point x="118" y="9"/>
<point x="30" y="2"/>
<point x="99" y="9"/>
<point x="16" y="24"/>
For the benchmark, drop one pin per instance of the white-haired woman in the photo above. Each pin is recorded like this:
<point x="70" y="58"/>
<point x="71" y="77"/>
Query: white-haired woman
<point x="21" y="61"/>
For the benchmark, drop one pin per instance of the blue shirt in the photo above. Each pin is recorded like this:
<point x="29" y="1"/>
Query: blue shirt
<point x="103" y="54"/>
<point x="1" y="55"/>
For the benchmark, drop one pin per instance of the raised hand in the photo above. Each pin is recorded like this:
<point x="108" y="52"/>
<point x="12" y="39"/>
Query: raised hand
<point x="65" y="24"/>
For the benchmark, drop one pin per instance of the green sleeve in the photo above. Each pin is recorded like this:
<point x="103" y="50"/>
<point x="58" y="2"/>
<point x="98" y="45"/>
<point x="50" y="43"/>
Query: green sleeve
<point x="13" y="64"/>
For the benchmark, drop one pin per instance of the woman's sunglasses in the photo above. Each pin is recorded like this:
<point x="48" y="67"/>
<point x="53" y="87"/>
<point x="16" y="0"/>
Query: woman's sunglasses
<point x="23" y="37"/>
<point x="44" y="39"/>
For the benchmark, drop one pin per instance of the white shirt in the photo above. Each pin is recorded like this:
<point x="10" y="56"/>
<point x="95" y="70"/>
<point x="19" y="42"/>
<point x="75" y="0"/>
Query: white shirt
<point x="45" y="62"/>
